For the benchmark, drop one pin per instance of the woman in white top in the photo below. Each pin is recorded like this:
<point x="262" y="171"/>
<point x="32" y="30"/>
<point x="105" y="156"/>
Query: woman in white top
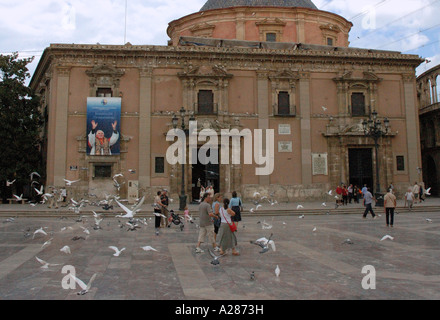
<point x="228" y="239"/>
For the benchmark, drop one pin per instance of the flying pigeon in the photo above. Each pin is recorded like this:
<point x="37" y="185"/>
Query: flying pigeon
<point x="148" y="248"/>
<point x="117" y="251"/>
<point x="45" y="265"/>
<point x="66" y="250"/>
<point x="39" y="231"/>
<point x="387" y="237"/>
<point x="129" y="213"/>
<point x="299" y="207"/>
<point x="85" y="288"/>
<point x="69" y="182"/>
<point x="48" y="242"/>
<point x="215" y="261"/>
<point x="10" y="183"/>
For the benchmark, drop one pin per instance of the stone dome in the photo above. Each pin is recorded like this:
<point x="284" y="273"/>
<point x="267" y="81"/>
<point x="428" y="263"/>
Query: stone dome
<point x="221" y="4"/>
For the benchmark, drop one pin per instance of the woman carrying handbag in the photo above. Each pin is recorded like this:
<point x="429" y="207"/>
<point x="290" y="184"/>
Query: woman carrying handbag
<point x="227" y="232"/>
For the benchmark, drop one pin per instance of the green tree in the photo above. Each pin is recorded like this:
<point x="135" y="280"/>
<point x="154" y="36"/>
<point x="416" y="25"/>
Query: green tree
<point x="20" y="124"/>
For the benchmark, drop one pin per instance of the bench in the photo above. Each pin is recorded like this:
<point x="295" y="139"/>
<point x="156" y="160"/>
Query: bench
<point x="13" y="199"/>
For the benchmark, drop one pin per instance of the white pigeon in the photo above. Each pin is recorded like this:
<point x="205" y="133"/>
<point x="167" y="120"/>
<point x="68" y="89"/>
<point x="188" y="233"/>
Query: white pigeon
<point x="69" y="182"/>
<point x="258" y="207"/>
<point x="330" y="192"/>
<point x="301" y="217"/>
<point x="159" y="215"/>
<point x="429" y="220"/>
<point x="117" y="175"/>
<point x="266" y="226"/>
<point x="19" y="198"/>
<point x="257" y="194"/>
<point x="324" y="108"/>
<point x="428" y="191"/>
<point x="252" y="210"/>
<point x="314" y="229"/>
<point x="34" y="174"/>
<point x="299" y="207"/>
<point x="10" y="183"/>
<point x="39" y="192"/>
<point x="265" y="241"/>
<point x="277" y="271"/>
<point x="387" y="237"/>
<point x="39" y="231"/>
<point x="86" y="231"/>
<point x="323" y="204"/>
<point x="148" y="248"/>
<point x="66" y="250"/>
<point x="48" y="242"/>
<point x="45" y="265"/>
<point x="117" y="251"/>
<point x="85" y="288"/>
<point x="130" y="213"/>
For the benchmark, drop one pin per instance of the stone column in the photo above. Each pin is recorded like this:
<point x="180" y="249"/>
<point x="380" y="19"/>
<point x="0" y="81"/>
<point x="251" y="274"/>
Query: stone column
<point x="61" y="115"/>
<point x="412" y="132"/>
<point x="306" y="140"/>
<point x="145" y="81"/>
<point x="263" y="114"/>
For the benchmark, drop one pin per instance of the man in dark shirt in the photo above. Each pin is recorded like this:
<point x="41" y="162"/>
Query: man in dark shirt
<point x="165" y="202"/>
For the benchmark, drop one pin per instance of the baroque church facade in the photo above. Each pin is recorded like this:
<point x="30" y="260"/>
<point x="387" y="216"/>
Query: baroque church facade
<point x="280" y="65"/>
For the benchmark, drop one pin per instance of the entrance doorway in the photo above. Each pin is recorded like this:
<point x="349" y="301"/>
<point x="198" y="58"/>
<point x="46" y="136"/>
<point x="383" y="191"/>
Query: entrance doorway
<point x="208" y="174"/>
<point x="430" y="176"/>
<point x="361" y="167"/>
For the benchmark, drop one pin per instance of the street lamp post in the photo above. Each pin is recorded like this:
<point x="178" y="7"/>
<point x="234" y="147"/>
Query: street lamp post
<point x="182" y="197"/>
<point x="373" y="128"/>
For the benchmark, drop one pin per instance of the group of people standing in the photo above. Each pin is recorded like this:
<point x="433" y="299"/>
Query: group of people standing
<point x="348" y="194"/>
<point x="219" y="219"/>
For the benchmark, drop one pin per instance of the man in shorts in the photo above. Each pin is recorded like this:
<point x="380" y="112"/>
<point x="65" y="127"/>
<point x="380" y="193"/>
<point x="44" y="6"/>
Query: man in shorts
<point x="206" y="223"/>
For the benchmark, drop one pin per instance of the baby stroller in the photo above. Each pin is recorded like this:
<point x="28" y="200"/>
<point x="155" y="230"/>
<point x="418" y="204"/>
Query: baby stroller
<point x="176" y="219"/>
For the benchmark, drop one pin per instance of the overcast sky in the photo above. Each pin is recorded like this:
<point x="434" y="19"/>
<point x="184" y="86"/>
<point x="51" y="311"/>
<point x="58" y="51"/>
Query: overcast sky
<point x="29" y="26"/>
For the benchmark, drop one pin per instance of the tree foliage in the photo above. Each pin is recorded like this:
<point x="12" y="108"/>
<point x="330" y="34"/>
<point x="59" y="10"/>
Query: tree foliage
<point x="20" y="122"/>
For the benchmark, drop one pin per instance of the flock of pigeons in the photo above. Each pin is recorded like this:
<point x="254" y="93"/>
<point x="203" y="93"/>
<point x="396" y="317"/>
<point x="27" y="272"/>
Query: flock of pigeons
<point x="265" y="244"/>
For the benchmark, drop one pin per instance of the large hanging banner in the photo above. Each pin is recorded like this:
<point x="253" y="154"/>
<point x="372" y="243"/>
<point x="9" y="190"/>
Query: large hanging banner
<point x="103" y="125"/>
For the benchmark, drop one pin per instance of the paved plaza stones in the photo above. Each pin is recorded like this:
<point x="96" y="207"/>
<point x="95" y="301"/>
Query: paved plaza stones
<point x="314" y="265"/>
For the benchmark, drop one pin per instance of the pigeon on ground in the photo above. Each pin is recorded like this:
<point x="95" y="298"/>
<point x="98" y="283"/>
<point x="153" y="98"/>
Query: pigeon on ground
<point x="215" y="261"/>
<point x="148" y="248"/>
<point x="66" y="250"/>
<point x="277" y="271"/>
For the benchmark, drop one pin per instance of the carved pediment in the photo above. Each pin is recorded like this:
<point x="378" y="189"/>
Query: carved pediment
<point x="366" y="77"/>
<point x="330" y="28"/>
<point x="105" y="70"/>
<point x="285" y="75"/>
<point x="214" y="72"/>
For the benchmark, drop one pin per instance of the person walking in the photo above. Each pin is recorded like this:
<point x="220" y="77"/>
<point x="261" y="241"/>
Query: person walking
<point x="409" y="198"/>
<point x="206" y="227"/>
<point x="236" y="205"/>
<point x="228" y="239"/>
<point x="157" y="209"/>
<point x="164" y="208"/>
<point x="390" y="204"/>
<point x="344" y="195"/>
<point x="216" y="205"/>
<point x="416" y="192"/>
<point x="350" y="193"/>
<point x="368" y="201"/>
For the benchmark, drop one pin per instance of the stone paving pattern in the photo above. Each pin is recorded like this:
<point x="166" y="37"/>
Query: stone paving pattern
<point x="314" y="265"/>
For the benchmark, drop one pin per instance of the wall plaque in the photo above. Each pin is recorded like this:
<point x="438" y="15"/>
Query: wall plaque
<point x="319" y="163"/>
<point x="285" y="146"/>
<point x="284" y="129"/>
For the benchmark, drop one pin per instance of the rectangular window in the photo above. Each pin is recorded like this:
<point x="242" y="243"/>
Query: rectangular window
<point x="400" y="162"/>
<point x="271" y="37"/>
<point x="103" y="171"/>
<point x="283" y="103"/>
<point x="330" y="42"/>
<point x="159" y="165"/>
<point x="104" y="93"/>
<point x="357" y="104"/>
<point x="205" y="101"/>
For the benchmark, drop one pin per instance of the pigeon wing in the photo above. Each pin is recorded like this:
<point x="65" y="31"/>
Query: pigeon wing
<point x="79" y="282"/>
<point x="89" y="285"/>
<point x="128" y="211"/>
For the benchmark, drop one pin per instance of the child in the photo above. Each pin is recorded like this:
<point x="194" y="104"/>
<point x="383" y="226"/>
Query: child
<point x="186" y="214"/>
